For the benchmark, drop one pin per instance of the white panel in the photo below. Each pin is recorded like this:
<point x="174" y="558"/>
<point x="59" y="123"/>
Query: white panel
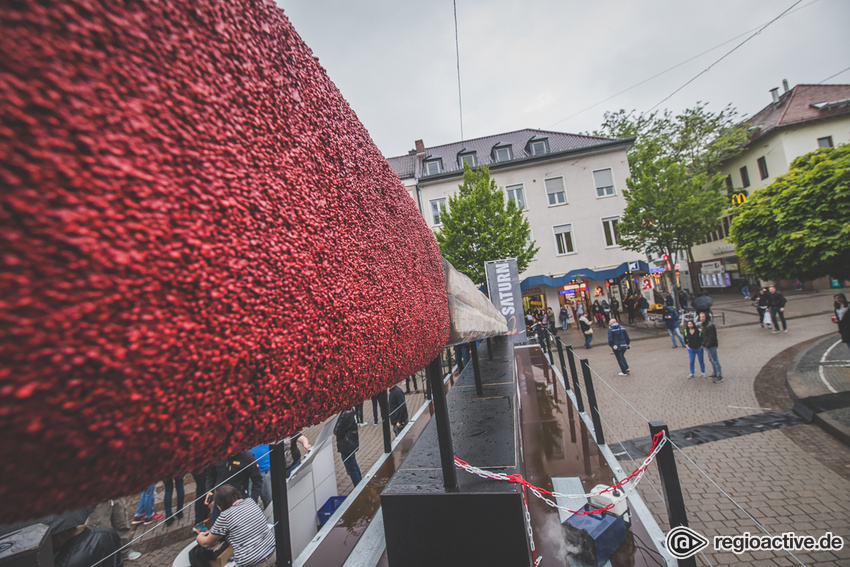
<point x="302" y="525"/>
<point x="300" y="489"/>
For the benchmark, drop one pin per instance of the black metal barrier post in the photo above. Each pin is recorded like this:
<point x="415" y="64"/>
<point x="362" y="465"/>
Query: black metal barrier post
<point x="489" y="349"/>
<point x="449" y="359"/>
<point x="670" y="484"/>
<point x="384" y="404"/>
<point x="563" y="364"/>
<point x="591" y="401"/>
<point x="576" y="388"/>
<point x="444" y="430"/>
<point x="280" y="504"/>
<point x="476" y="370"/>
<point x="549" y="348"/>
<point x="459" y="357"/>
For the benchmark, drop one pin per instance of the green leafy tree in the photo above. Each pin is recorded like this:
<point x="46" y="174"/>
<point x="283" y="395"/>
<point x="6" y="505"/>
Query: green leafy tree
<point x="675" y="193"/>
<point x="479" y="227"/>
<point x="799" y="225"/>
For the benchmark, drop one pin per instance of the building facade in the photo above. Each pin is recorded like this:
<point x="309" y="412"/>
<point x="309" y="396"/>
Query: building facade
<point x="570" y="188"/>
<point x="796" y="122"/>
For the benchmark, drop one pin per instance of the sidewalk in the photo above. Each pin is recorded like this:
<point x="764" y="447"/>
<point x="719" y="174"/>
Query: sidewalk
<point x="794" y="478"/>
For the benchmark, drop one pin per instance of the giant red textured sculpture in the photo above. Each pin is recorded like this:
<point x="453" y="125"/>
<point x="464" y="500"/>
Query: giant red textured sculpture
<point x="202" y="247"/>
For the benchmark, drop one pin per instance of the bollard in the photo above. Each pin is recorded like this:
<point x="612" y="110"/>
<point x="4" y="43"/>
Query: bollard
<point x="576" y="387"/>
<point x="563" y="364"/>
<point x="384" y="404"/>
<point x="280" y="504"/>
<point x="591" y="401"/>
<point x="444" y="430"/>
<point x="666" y="462"/>
<point x="476" y="370"/>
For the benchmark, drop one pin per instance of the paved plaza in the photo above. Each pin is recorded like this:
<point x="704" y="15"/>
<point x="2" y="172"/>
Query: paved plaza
<point x="794" y="478"/>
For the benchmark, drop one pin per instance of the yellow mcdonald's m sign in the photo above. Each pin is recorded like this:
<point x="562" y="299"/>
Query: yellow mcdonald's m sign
<point x="738" y="197"/>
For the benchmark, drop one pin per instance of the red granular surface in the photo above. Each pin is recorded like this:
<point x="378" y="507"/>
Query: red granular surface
<point x="202" y="248"/>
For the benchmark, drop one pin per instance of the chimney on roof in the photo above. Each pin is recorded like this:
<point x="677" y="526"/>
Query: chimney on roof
<point x="775" y="94"/>
<point x="420" y="147"/>
<point x="785" y="85"/>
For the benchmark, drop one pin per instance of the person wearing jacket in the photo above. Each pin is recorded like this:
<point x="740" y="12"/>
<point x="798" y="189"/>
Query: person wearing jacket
<point x="710" y="344"/>
<point x="671" y="322"/>
<point x="693" y="338"/>
<point x="762" y="300"/>
<point x="565" y="317"/>
<point x="347" y="443"/>
<point x="777" y="309"/>
<point x="586" y="329"/>
<point x="619" y="341"/>
<point x="397" y="409"/>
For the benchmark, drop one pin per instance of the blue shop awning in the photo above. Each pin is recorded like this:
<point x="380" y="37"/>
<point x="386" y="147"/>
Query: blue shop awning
<point x="585" y="274"/>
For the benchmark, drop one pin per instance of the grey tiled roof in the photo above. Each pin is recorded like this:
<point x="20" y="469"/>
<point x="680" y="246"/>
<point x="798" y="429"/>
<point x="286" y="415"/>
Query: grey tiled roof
<point x="404" y="166"/>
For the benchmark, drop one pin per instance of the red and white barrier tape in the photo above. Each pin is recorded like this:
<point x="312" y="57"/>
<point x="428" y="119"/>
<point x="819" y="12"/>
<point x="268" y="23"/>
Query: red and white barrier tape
<point x="658" y="441"/>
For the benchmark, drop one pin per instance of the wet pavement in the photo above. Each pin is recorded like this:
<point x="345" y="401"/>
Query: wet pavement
<point x="557" y="443"/>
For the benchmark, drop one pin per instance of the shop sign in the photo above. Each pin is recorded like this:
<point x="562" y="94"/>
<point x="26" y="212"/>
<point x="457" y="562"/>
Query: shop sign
<point x="598" y="292"/>
<point x="647" y="284"/>
<point x="634" y="266"/>
<point x="506" y="294"/>
<point x="531" y="291"/>
<point x="712" y="267"/>
<point x="731" y="267"/>
<point x="656" y="270"/>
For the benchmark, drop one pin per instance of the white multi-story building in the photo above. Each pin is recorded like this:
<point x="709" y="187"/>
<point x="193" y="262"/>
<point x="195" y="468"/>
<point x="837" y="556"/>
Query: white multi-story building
<point x="571" y="189"/>
<point x="796" y="122"/>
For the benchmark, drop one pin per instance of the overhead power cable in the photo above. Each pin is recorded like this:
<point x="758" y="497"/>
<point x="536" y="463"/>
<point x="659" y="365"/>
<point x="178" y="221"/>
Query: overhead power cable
<point x="835" y="75"/>
<point x="725" y="55"/>
<point x="457" y="53"/>
<point x="667" y="70"/>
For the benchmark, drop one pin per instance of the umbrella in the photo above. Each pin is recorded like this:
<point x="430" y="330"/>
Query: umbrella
<point x="703" y="303"/>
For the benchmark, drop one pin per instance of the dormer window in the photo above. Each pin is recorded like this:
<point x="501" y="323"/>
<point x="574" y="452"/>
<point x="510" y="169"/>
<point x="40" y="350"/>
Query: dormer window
<point x="433" y="166"/>
<point x="502" y="152"/>
<point x="538" y="146"/>
<point x="468" y="157"/>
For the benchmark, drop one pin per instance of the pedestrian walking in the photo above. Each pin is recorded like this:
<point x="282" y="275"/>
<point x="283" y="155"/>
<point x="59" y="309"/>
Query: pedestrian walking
<point x="347" y="443"/>
<point x="170" y="485"/>
<point x="643" y="305"/>
<point x="619" y="341"/>
<point x="777" y="309"/>
<point x="606" y="311"/>
<point x="693" y="338"/>
<point x="564" y="317"/>
<point x="407" y="384"/>
<point x="629" y="305"/>
<point x="615" y="309"/>
<point x="144" y="510"/>
<point x="550" y="315"/>
<point x="710" y="344"/>
<point x="762" y="301"/>
<point x="586" y="328"/>
<point x="842" y="318"/>
<point x="671" y="322"/>
<point x="683" y="298"/>
<point x="202" y="511"/>
<point x="397" y="409"/>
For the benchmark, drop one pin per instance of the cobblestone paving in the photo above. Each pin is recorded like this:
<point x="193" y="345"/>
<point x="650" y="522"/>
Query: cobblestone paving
<point x="794" y="479"/>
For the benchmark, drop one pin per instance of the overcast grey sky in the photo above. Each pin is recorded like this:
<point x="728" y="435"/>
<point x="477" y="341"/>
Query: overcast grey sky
<point x="539" y="63"/>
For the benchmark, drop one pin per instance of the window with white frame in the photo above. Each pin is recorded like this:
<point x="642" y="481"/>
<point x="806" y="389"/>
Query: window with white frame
<point x="438" y="207"/>
<point x="538" y="147"/>
<point x="604" y="181"/>
<point x="515" y="194"/>
<point x="612" y="232"/>
<point x="555" y="191"/>
<point x="468" y="158"/>
<point x="502" y="153"/>
<point x="564" y="239"/>
<point x="433" y="166"/>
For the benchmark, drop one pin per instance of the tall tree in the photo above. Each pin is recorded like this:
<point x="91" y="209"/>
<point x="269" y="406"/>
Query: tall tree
<point x="479" y="227"/>
<point x="799" y="225"/>
<point x="674" y="195"/>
